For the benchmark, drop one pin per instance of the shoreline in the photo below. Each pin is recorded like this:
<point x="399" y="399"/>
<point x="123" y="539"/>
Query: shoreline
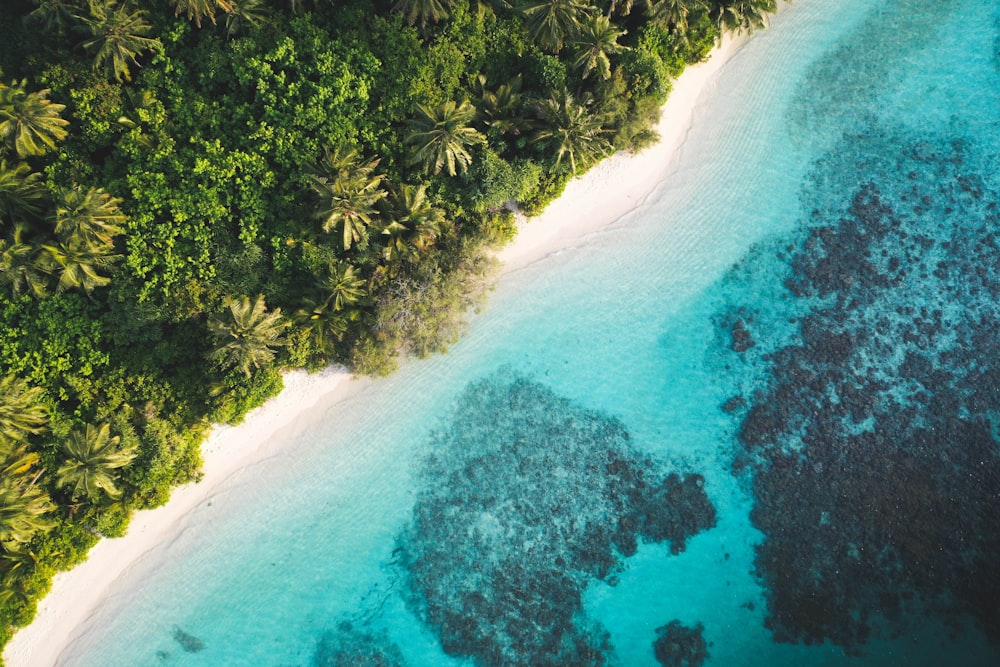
<point x="620" y="183"/>
<point x="610" y="190"/>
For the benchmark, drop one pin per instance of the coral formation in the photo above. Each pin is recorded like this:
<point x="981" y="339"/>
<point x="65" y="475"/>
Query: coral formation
<point x="873" y="448"/>
<point x="526" y="498"/>
<point x="188" y="642"/>
<point x="349" y="647"/>
<point x="677" y="645"/>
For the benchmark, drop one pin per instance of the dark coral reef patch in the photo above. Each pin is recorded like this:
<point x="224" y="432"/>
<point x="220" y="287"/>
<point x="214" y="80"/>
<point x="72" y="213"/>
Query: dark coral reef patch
<point x="526" y="498"/>
<point x="873" y="446"/>
<point x="348" y="646"/>
<point x="678" y="645"/>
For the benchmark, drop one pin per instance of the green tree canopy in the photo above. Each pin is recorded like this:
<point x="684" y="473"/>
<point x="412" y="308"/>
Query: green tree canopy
<point x="440" y="137"/>
<point x="22" y="192"/>
<point x="572" y="131"/>
<point x="348" y="191"/>
<point x="23" y="506"/>
<point x="116" y="36"/>
<point x="92" y="457"/>
<point x="29" y="123"/>
<point x="90" y="215"/>
<point x="246" y="335"/>
<point x="595" y="43"/>
<point x="551" y="23"/>
<point x="78" y="263"/>
<point x="744" y="15"/>
<point x="22" y="412"/>
<point x="423" y="11"/>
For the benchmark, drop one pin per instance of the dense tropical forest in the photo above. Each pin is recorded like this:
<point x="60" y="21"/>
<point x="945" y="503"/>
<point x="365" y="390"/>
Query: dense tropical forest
<point x="198" y="194"/>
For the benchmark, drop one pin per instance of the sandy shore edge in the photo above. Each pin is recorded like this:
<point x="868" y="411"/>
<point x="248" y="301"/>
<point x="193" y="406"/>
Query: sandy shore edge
<point x="612" y="189"/>
<point x="621" y="182"/>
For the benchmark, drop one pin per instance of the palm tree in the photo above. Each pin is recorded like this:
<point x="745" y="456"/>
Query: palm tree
<point x="673" y="14"/>
<point x="19" y="266"/>
<point x="29" y="122"/>
<point x="196" y="10"/>
<point x="423" y="10"/>
<point x="91" y="457"/>
<point x="397" y="249"/>
<point x="22" y="192"/>
<point x="117" y="37"/>
<point x="244" y="13"/>
<point x="15" y="567"/>
<point x="748" y="15"/>
<point x="321" y="324"/>
<point x="246" y="334"/>
<point x="501" y="109"/>
<point x="55" y="15"/>
<point x="18" y="460"/>
<point x="597" y="40"/>
<point x="440" y="136"/>
<point x="415" y="225"/>
<point x="488" y="7"/>
<point x="92" y="215"/>
<point x="551" y="22"/>
<point x="625" y="7"/>
<point x="23" y="507"/>
<point x="22" y="412"/>
<point x="77" y="263"/>
<point x="574" y="132"/>
<point x="325" y="315"/>
<point x="343" y="285"/>
<point x="349" y="191"/>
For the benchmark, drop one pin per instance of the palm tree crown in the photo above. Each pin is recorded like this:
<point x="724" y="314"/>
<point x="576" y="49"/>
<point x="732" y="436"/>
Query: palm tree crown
<point x="196" y="10"/>
<point x="117" y="37"/>
<point x="247" y="334"/>
<point x="744" y="15"/>
<point x="415" y="226"/>
<point x="19" y="265"/>
<point x="55" y="15"/>
<point x="423" y="11"/>
<point x="552" y="22"/>
<point x="22" y="192"/>
<point x="441" y="136"/>
<point x="91" y="457"/>
<point x="597" y="40"/>
<point x="574" y="132"/>
<point x="501" y="110"/>
<point x="90" y="215"/>
<point x="343" y="285"/>
<point x="243" y="13"/>
<point x="78" y="263"/>
<point x="348" y="190"/>
<point x="22" y="412"/>
<point x="29" y="122"/>
<point x="23" y="507"/>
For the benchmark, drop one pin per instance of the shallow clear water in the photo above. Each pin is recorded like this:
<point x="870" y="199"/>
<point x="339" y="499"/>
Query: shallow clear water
<point x="631" y="328"/>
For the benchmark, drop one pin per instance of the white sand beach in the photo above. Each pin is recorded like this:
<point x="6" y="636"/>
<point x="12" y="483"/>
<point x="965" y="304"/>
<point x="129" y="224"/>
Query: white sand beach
<point x="623" y="181"/>
<point x="603" y="195"/>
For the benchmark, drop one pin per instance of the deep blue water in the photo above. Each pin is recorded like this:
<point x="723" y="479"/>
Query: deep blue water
<point x="757" y="417"/>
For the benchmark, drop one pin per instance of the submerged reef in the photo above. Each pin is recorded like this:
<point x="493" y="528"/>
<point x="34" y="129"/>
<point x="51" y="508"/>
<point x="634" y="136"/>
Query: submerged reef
<point x="872" y="448"/>
<point x="677" y="645"/>
<point x="188" y="642"/>
<point x="527" y="497"/>
<point x="349" y="647"/>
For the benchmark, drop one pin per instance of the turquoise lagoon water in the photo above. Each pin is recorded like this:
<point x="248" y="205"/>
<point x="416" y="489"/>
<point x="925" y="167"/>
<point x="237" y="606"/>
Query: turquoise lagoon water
<point x="610" y="362"/>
